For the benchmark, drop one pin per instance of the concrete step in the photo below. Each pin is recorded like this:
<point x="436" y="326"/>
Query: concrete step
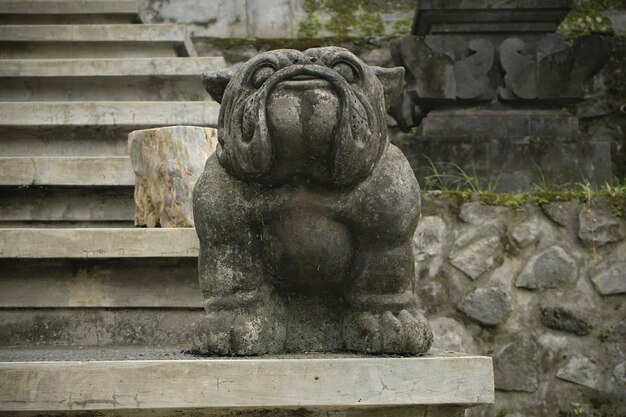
<point x="294" y="385"/>
<point x="133" y="79"/>
<point x="66" y="283"/>
<point x="98" y="243"/>
<point x="64" y="170"/>
<point x="106" y="326"/>
<point x="90" y="128"/>
<point x="108" y="113"/>
<point x="67" y="206"/>
<point x="13" y="12"/>
<point x="94" y="41"/>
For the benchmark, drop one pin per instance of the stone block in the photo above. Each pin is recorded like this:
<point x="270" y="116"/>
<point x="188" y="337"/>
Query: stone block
<point x="478" y="257"/>
<point x="107" y="113"/>
<point x="64" y="171"/>
<point x="95" y="41"/>
<point x="97" y="243"/>
<point x="322" y="385"/>
<point x="471" y="16"/>
<point x="612" y="280"/>
<point x="524" y="234"/>
<point x="598" y="225"/>
<point x="270" y="19"/>
<point x="564" y="319"/>
<point x="551" y="268"/>
<point x="516" y="367"/>
<point x="511" y="124"/>
<point x="582" y="371"/>
<point x="488" y="306"/>
<point x="450" y="335"/>
<point x="217" y="19"/>
<point x="167" y="162"/>
<point x="562" y="213"/>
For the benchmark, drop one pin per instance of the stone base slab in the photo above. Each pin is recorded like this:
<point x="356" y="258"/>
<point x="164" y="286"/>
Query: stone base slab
<point x="291" y="385"/>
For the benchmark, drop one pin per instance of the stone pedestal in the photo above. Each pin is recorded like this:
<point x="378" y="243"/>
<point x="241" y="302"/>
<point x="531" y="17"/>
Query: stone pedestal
<point x="489" y="84"/>
<point x="302" y="385"/>
<point x="167" y="162"/>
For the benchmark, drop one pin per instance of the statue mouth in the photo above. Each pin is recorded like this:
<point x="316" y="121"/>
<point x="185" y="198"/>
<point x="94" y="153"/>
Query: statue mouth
<point x="305" y="77"/>
<point x="304" y="82"/>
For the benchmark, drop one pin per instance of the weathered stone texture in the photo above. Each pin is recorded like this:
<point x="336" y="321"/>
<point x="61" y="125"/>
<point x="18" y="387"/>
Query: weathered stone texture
<point x="580" y="370"/>
<point x="487" y="306"/>
<point x="478" y="257"/>
<point x="612" y="280"/>
<point x="551" y="268"/>
<point x="563" y="319"/>
<point x="167" y="162"/>
<point x="306" y="214"/>
<point x="561" y="212"/>
<point x="598" y="225"/>
<point x="550" y="344"/>
<point x="515" y="366"/>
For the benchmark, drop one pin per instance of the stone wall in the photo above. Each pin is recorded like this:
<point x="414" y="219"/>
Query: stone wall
<point x="539" y="287"/>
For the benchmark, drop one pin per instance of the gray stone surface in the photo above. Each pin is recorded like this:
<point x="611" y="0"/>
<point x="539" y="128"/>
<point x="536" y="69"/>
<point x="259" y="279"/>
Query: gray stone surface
<point x="100" y="242"/>
<point x="551" y="268"/>
<point x="478" y="257"/>
<point x="64" y="171"/>
<point x="524" y="234"/>
<point x="450" y="335"/>
<point x="167" y="163"/>
<point x="487" y="306"/>
<point x="331" y="385"/>
<point x="562" y="213"/>
<point x="598" y="225"/>
<point x="107" y="113"/>
<point x="119" y="79"/>
<point x="94" y="41"/>
<point x="612" y="280"/>
<point x="302" y="172"/>
<point x="619" y="372"/>
<point x="516" y="366"/>
<point x="564" y="319"/>
<point x="582" y="371"/>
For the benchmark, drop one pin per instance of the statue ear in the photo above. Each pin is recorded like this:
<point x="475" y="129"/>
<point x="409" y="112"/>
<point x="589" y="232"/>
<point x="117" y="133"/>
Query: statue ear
<point x="215" y="83"/>
<point x="391" y="79"/>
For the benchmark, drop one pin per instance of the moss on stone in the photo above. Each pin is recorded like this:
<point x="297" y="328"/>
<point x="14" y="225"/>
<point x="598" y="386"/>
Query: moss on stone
<point x="586" y="18"/>
<point x="402" y="26"/>
<point x="310" y="27"/>
<point x="517" y="201"/>
<point x="370" y="23"/>
<point x="341" y="18"/>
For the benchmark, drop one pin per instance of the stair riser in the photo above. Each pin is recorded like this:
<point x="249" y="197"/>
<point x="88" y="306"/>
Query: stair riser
<point x="75" y="19"/>
<point x="97" y="327"/>
<point x="77" y="206"/>
<point x="47" y="50"/>
<point x="103" y="89"/>
<point x="65" y="141"/>
<point x="100" y="283"/>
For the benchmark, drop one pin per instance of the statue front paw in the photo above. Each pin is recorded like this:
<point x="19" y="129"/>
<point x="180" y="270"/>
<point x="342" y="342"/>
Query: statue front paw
<point x="234" y="333"/>
<point x="405" y="333"/>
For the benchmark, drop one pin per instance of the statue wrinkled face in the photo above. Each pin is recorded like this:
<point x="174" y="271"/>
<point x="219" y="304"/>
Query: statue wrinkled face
<point x="317" y="114"/>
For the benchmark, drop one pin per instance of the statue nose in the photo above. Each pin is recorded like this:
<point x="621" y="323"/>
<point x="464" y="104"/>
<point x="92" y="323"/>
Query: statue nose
<point x="311" y="60"/>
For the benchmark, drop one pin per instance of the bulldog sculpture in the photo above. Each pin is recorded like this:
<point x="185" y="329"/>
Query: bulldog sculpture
<point x="305" y="212"/>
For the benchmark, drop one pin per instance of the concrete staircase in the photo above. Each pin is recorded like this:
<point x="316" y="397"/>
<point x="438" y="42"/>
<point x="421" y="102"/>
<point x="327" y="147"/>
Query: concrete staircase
<point x="76" y="76"/>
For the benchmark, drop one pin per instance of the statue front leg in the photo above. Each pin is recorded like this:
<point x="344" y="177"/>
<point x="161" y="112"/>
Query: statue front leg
<point x="244" y="315"/>
<point x="383" y="315"/>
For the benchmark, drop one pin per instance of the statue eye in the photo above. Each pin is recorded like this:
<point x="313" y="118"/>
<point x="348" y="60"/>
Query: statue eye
<point x="261" y="75"/>
<point x="346" y="71"/>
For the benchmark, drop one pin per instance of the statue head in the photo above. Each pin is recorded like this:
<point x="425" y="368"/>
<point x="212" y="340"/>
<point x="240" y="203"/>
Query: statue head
<point x="318" y="113"/>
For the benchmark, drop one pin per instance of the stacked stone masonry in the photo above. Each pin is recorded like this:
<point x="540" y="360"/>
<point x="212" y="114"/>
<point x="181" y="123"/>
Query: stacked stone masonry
<point x="541" y="289"/>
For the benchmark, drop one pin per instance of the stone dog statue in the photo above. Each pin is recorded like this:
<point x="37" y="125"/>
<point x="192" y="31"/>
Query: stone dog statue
<point x="305" y="212"/>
